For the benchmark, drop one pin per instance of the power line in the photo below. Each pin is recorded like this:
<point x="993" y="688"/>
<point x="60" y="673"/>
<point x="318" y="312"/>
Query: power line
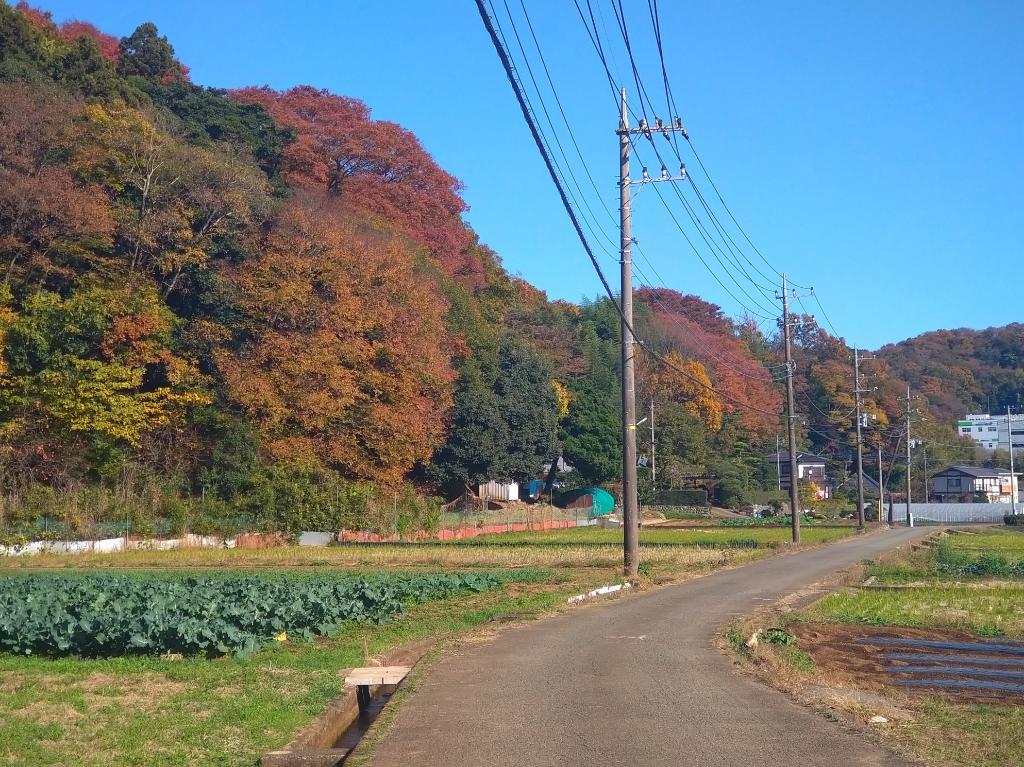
<point x="652" y="7"/>
<point x="561" y="109"/>
<point x="542" y="148"/>
<point x="599" y="48"/>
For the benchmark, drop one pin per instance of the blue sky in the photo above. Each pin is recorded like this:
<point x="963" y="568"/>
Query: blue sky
<point x="870" y="149"/>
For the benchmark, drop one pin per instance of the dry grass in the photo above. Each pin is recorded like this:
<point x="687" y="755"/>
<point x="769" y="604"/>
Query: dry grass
<point x="397" y="557"/>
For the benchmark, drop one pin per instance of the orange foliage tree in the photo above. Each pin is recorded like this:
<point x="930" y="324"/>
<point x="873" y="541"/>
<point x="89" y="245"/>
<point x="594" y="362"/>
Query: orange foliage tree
<point x="48" y="220"/>
<point x="345" y="358"/>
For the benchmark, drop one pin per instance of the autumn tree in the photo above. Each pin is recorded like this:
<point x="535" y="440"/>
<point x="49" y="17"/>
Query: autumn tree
<point x="49" y="221"/>
<point x="85" y="378"/>
<point x="686" y="382"/>
<point x="342" y="359"/>
<point x="108" y="45"/>
<point x="699" y="331"/>
<point x="376" y="168"/>
<point x="175" y="202"/>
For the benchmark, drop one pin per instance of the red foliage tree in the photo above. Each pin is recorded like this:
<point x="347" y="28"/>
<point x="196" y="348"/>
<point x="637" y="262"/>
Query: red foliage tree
<point x="376" y="167"/>
<point x="42" y="19"/>
<point x="108" y="44"/>
<point x="698" y="330"/>
<point x="49" y="222"/>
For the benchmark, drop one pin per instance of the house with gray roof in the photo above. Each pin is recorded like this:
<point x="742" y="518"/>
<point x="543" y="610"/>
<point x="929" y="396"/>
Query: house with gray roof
<point x="963" y="484"/>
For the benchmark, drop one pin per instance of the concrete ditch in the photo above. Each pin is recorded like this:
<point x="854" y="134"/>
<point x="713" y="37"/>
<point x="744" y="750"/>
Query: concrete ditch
<point x="330" y="738"/>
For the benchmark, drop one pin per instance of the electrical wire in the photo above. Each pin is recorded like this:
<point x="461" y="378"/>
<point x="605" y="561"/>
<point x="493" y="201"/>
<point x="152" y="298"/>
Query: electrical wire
<point x="528" y="115"/>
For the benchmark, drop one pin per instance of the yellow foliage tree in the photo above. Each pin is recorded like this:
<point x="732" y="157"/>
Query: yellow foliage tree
<point x="563" y="398"/>
<point x="686" y="382"/>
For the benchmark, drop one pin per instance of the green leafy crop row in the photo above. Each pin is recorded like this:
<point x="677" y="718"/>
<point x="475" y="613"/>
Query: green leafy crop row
<point x="106" y="615"/>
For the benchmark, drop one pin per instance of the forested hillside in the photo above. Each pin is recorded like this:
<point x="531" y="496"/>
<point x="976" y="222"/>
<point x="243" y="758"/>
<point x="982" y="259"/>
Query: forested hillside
<point x="962" y="371"/>
<point x="261" y="309"/>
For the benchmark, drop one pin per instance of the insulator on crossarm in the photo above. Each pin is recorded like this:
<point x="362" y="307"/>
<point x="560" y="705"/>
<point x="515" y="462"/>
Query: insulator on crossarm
<point x="664" y="172"/>
<point x="646" y="175"/>
<point x="682" y="171"/>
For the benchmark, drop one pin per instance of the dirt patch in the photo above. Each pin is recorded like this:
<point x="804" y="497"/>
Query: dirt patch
<point x="43" y="713"/>
<point x="843" y="660"/>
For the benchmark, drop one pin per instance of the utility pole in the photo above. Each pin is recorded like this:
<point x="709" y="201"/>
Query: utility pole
<point x="924" y="455"/>
<point x="794" y="496"/>
<point x="860" y="457"/>
<point x="908" y="454"/>
<point x="881" y="484"/>
<point x="1013" y="478"/>
<point x="778" y="462"/>
<point x="630" y="522"/>
<point x="654" y="470"/>
<point x="630" y="508"/>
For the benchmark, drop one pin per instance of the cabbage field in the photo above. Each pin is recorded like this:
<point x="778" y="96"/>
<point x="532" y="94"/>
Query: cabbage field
<point x="106" y="615"/>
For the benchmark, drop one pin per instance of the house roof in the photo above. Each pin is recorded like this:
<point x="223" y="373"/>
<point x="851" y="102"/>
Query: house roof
<point x="870" y="484"/>
<point x="801" y="458"/>
<point x="975" y="471"/>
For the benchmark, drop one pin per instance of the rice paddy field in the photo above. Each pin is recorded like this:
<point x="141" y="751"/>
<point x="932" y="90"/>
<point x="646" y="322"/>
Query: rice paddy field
<point x="710" y="537"/>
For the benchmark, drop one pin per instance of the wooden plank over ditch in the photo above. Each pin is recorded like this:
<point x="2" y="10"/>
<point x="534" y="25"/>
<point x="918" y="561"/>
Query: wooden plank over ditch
<point x="376" y="675"/>
<point x="310" y="757"/>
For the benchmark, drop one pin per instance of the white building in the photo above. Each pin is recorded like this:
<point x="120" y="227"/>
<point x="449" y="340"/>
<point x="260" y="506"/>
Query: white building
<point x="992" y="431"/>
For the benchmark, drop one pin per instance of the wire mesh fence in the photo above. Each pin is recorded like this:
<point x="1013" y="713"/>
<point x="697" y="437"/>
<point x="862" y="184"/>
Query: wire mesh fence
<point x="954" y="513"/>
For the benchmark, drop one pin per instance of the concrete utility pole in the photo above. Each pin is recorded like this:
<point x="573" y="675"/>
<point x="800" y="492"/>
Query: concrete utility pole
<point x="881" y="485"/>
<point x="630" y="507"/>
<point x="794" y="496"/>
<point x="630" y="520"/>
<point x="654" y="470"/>
<point x="908" y="454"/>
<point x="1013" y="478"/>
<point x="860" y="457"/>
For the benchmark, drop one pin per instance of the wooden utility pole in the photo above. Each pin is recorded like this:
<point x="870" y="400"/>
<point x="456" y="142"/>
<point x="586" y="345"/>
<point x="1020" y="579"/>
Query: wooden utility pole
<point x="860" y="456"/>
<point x="794" y="496"/>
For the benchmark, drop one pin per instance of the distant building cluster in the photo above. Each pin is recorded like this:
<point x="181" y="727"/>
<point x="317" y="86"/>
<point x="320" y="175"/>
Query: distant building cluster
<point x="990" y="432"/>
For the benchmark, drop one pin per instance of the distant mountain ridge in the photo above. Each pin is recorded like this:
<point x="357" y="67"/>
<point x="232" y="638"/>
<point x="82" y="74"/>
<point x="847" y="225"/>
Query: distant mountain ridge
<point x="963" y="370"/>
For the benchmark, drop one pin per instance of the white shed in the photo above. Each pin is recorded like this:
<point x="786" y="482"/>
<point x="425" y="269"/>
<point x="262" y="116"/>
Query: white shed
<point x="499" y="491"/>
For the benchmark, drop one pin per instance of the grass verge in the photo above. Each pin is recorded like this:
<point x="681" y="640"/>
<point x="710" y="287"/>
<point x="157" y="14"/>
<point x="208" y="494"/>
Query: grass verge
<point x="163" y="712"/>
<point x="227" y="711"/>
<point x="934" y="729"/>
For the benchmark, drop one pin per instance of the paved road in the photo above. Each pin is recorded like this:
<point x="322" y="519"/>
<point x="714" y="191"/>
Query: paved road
<point x="635" y="681"/>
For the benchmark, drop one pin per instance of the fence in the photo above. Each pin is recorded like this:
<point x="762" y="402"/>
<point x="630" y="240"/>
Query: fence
<point x="261" y="540"/>
<point x="136" y="543"/>
<point x="953" y="513"/>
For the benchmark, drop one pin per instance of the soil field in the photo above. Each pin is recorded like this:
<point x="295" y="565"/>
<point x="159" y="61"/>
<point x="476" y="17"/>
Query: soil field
<point x="842" y="658"/>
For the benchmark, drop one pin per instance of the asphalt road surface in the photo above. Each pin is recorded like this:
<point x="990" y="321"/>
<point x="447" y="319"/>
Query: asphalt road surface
<point x="635" y="681"/>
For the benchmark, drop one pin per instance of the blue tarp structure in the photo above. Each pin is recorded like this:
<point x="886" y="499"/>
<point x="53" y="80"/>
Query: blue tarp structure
<point x="535" y="488"/>
<point x="599" y="502"/>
